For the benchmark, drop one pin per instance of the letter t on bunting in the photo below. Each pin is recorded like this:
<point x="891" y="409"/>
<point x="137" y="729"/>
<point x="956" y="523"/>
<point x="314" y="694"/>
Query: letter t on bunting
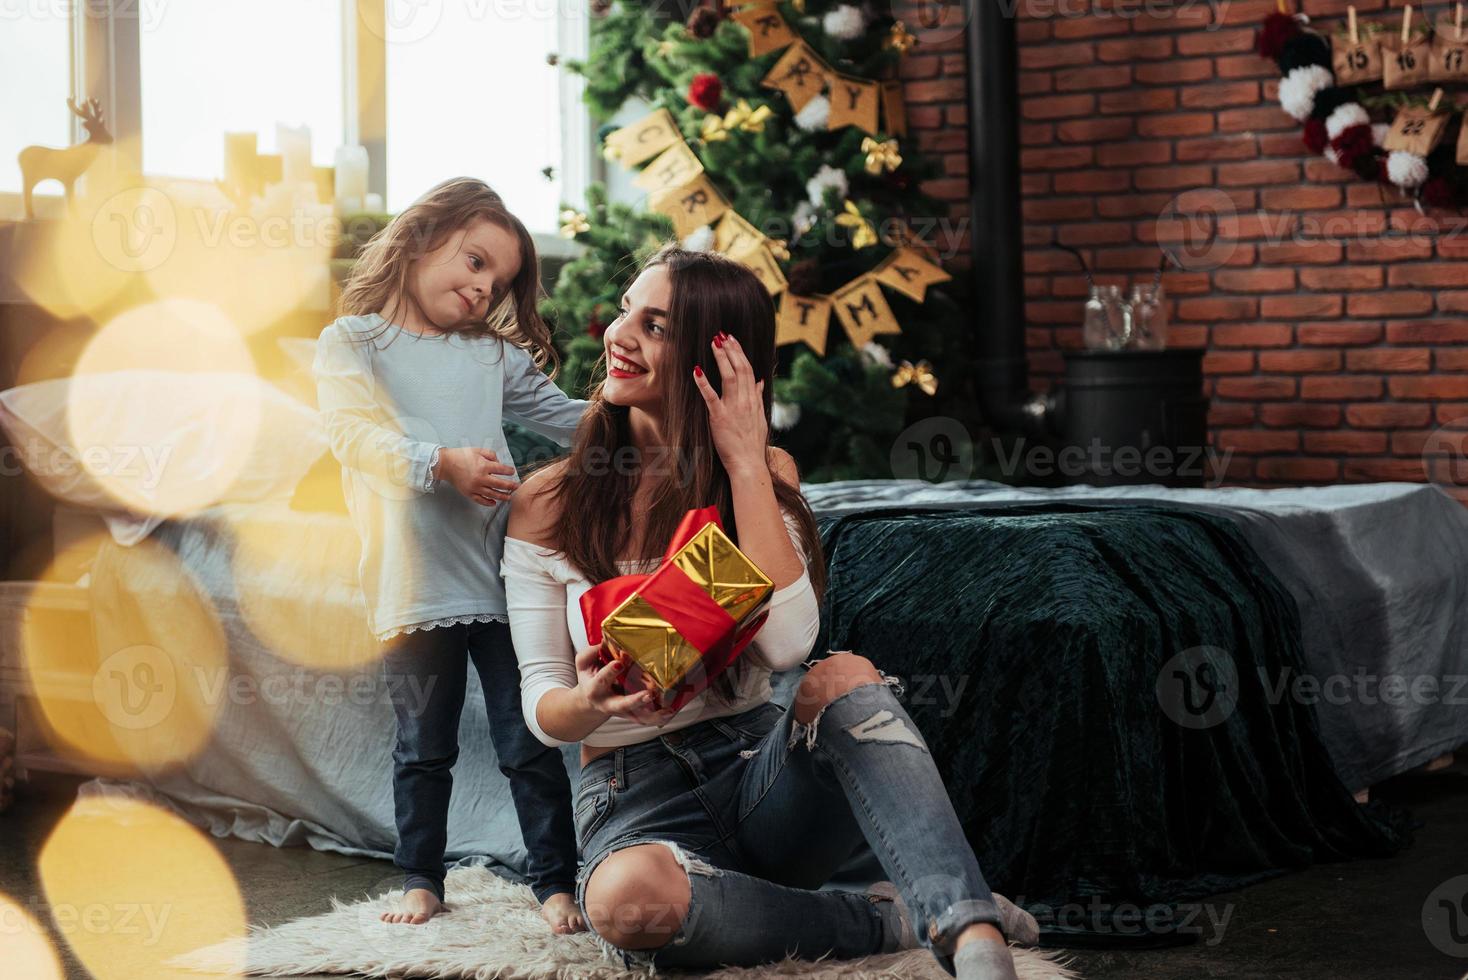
<point x="805" y="319"/>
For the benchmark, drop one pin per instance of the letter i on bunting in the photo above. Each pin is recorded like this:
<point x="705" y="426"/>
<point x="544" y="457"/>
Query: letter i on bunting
<point x="909" y="273"/>
<point x="803" y="319"/>
<point x="644" y="139"/>
<point x="691" y="206"/>
<point x="863" y="310"/>
<point x="733" y="235"/>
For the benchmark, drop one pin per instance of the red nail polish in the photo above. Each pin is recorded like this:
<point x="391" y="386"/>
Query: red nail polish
<point x="698" y="370"/>
<point x="718" y="340"/>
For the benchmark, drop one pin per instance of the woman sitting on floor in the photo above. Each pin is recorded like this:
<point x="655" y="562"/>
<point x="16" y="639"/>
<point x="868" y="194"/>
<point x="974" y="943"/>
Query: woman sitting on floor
<point x="708" y="832"/>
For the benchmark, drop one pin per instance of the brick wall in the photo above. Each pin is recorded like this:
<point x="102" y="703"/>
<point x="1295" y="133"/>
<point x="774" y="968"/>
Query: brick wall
<point x="1332" y="311"/>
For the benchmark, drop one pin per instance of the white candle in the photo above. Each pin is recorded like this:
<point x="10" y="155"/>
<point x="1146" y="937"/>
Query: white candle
<point x="351" y="177"/>
<point x="295" y="153"/>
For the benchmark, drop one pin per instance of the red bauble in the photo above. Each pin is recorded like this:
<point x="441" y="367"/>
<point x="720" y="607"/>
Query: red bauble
<point x="594" y="325"/>
<point x="1315" y="136"/>
<point x="1276" y="30"/>
<point x="1351" y="143"/>
<point x="706" y="91"/>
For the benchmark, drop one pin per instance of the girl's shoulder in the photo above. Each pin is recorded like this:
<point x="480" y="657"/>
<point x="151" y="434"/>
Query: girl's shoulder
<point x="356" y="327"/>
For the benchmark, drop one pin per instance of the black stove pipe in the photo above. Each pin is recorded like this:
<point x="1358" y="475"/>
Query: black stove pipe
<point x="1001" y="368"/>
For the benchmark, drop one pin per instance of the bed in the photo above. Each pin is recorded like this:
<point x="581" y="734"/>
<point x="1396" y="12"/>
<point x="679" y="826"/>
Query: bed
<point x="290" y="730"/>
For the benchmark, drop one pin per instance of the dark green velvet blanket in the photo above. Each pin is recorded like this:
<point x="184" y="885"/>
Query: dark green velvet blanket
<point x="1071" y="669"/>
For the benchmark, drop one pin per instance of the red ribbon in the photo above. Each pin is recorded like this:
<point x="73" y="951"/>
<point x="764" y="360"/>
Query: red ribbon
<point x="678" y="599"/>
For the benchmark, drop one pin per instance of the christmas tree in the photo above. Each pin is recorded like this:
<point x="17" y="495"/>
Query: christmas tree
<point x="772" y="133"/>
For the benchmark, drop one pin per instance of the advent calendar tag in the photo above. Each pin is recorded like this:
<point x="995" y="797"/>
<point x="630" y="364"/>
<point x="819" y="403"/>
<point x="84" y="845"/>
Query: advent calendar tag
<point x="1416" y="130"/>
<point x="1450" y="50"/>
<point x="1356" y="56"/>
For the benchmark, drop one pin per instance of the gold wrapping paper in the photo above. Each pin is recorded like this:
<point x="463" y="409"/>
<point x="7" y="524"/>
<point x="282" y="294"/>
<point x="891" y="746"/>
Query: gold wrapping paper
<point x="712" y="562"/>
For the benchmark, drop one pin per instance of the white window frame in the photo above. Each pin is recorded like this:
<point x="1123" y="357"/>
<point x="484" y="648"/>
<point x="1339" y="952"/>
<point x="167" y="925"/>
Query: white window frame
<point x="106" y="65"/>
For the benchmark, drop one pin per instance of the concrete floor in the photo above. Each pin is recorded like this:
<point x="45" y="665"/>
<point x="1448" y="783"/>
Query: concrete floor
<point x="1354" y="921"/>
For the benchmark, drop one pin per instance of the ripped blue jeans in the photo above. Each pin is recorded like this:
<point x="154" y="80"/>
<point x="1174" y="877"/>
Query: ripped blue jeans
<point x="761" y="810"/>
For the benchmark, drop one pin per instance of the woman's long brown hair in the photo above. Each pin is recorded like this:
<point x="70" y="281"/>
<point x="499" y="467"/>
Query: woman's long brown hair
<point x="595" y="485"/>
<point x="381" y="271"/>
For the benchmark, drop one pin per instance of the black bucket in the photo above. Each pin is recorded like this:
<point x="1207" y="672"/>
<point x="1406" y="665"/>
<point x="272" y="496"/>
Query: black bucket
<point x="1135" y="417"/>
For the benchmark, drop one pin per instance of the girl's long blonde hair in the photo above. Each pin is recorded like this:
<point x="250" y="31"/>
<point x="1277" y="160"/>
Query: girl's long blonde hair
<point x="380" y="273"/>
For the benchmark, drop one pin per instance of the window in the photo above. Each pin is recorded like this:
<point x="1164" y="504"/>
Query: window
<point x="238" y="66"/>
<point x="35" y="75"/>
<point x="469" y="93"/>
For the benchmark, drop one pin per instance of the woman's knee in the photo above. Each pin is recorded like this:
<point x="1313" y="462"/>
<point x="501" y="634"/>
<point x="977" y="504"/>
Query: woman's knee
<point x="638" y="897"/>
<point x="830" y="678"/>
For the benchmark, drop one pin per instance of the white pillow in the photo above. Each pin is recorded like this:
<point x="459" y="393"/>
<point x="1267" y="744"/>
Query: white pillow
<point x="155" y="444"/>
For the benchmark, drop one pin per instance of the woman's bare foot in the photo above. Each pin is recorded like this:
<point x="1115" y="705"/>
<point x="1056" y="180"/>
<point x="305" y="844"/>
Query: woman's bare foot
<point x="418" y="906"/>
<point x="561" y="912"/>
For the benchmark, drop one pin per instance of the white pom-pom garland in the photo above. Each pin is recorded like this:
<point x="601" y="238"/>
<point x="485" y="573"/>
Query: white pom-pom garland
<point x="783" y="415"/>
<point x="1297" y="89"/>
<point x="1332" y="155"/>
<point x="1345" y="116"/>
<point x="827" y="176"/>
<point x="816" y="115"/>
<point x="874" y="353"/>
<point x="701" y="240"/>
<point x="845" y="23"/>
<point x="1406" y="170"/>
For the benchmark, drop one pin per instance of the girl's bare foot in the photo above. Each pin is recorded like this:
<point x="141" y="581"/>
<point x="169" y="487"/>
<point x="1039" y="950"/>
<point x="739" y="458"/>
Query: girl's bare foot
<point x="418" y="906"/>
<point x="561" y="912"/>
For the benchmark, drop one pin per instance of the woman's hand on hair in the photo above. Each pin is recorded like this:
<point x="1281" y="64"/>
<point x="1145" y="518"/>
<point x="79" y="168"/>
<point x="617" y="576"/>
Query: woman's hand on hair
<point x="597" y="684"/>
<point x="476" y="473"/>
<point x="736" y="412"/>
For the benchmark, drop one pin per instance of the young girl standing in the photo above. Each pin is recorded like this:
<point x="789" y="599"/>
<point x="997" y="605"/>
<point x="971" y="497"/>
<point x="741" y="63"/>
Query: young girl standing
<point x="439" y="342"/>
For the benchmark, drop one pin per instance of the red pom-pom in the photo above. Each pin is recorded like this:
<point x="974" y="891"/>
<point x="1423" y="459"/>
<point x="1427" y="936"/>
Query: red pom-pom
<point x="1351" y="143"/>
<point x="706" y="91"/>
<point x="1438" y="193"/>
<point x="1315" y="136"/>
<point x="1276" y="30"/>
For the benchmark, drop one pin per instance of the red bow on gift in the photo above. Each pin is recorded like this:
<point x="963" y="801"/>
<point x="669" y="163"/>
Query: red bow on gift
<point x="701" y="621"/>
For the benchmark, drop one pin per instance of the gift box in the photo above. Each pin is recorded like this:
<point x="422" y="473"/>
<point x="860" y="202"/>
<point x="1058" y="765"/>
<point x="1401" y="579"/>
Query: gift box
<point x="687" y="621"/>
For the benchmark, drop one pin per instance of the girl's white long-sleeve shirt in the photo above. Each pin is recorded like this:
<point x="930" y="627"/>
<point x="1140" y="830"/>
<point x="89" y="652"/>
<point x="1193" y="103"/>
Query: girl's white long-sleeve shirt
<point x="430" y="556"/>
<point x="544" y="592"/>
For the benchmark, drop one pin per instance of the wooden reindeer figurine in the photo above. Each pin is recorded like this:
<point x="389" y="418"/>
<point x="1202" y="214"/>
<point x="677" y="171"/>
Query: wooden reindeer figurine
<point x="38" y="163"/>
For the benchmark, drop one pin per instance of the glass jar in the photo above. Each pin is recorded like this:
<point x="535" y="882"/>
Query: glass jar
<point x="1108" y="319"/>
<point x="1149" y="318"/>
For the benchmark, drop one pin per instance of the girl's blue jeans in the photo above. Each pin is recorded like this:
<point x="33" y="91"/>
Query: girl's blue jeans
<point x="761" y="810"/>
<point x="427" y="672"/>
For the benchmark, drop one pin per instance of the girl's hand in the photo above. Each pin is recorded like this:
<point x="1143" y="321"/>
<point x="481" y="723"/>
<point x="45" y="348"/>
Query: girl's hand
<point x="477" y="474"/>
<point x="737" y="417"/>
<point x="596" y="684"/>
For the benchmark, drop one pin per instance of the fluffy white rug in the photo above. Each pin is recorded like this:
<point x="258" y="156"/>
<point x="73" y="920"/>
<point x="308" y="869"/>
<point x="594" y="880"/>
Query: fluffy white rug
<point x="495" y="932"/>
